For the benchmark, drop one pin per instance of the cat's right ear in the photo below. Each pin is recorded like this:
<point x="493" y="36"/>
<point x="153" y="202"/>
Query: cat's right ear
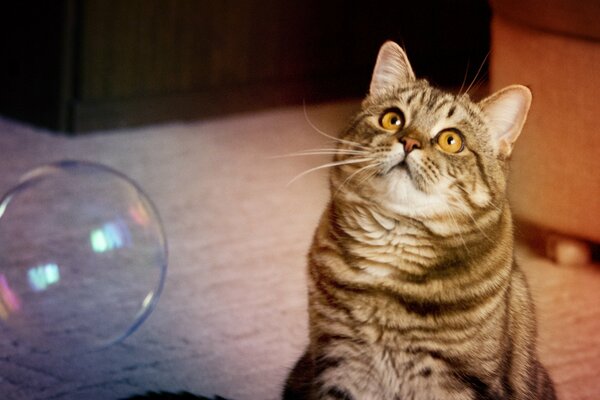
<point x="391" y="69"/>
<point x="506" y="111"/>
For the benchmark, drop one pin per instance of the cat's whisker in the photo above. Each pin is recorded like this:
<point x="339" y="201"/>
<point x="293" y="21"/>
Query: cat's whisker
<point x="342" y="151"/>
<point x="349" y="178"/>
<point x="321" y="152"/>
<point x="479" y="83"/>
<point x="457" y="227"/>
<point x="462" y="85"/>
<point x="329" y="165"/>
<point x="468" y="213"/>
<point x="335" y="149"/>
<point x="370" y="175"/>
<point x="316" y="129"/>
<point x="477" y="73"/>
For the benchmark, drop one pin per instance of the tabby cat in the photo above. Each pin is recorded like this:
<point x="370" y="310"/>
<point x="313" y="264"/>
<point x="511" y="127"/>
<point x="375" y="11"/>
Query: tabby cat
<point x="413" y="289"/>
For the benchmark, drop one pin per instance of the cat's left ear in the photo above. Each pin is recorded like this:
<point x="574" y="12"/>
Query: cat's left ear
<point x="506" y="111"/>
<point x="391" y="69"/>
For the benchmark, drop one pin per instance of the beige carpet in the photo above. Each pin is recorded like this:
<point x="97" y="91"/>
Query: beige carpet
<point x="232" y="318"/>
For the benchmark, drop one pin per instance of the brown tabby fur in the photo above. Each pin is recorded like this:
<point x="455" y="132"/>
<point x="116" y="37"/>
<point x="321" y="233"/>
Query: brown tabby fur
<point x="413" y="289"/>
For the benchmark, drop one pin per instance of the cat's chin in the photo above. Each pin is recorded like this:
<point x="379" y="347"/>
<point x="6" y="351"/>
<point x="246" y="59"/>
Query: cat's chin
<point x="398" y="194"/>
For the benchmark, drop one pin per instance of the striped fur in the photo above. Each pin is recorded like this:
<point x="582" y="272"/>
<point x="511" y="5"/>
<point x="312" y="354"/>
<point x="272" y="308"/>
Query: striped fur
<point x="413" y="289"/>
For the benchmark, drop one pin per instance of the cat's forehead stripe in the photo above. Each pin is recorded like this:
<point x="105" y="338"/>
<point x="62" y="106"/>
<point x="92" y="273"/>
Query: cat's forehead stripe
<point x="433" y="104"/>
<point x="451" y="111"/>
<point x="425" y="99"/>
<point x="437" y="100"/>
<point x="442" y="104"/>
<point x="411" y="97"/>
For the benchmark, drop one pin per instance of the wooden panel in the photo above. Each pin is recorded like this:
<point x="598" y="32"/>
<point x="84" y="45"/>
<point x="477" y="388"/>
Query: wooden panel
<point x="138" y="47"/>
<point x="33" y="55"/>
<point x="89" y="116"/>
<point x="87" y="58"/>
<point x="147" y="61"/>
<point x="152" y="47"/>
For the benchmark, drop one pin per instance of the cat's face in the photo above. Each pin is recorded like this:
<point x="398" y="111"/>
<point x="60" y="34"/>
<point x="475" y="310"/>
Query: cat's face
<point x="426" y="151"/>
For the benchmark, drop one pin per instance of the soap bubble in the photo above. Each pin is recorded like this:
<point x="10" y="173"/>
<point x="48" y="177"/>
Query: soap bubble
<point x="83" y="258"/>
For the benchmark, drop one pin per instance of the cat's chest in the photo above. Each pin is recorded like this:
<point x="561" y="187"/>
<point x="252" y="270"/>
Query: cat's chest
<point x="382" y="246"/>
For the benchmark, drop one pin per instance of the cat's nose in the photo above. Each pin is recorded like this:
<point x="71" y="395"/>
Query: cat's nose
<point x="410" y="144"/>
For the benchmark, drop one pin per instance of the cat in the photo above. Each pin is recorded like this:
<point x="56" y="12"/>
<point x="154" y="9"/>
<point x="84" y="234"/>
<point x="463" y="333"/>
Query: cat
<point x="413" y="291"/>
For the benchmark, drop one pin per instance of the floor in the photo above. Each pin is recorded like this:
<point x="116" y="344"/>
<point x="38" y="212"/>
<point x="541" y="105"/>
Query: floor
<point x="232" y="317"/>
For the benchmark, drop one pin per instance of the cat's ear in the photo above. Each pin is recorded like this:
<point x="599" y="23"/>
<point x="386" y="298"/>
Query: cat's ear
<point x="506" y="111"/>
<point x="391" y="69"/>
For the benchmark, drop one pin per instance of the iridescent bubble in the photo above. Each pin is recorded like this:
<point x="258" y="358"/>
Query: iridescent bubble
<point x="83" y="258"/>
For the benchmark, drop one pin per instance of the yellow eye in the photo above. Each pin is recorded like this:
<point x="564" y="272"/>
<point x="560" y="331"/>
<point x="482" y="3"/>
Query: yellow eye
<point x="450" y="141"/>
<point x="392" y="120"/>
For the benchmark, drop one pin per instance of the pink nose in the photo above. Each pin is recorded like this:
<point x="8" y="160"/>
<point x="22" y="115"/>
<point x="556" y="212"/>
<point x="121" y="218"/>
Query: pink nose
<point x="410" y="144"/>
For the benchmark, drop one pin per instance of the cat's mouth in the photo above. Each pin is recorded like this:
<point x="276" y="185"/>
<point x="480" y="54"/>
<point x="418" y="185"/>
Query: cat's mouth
<point x="395" y="161"/>
<point x="401" y="164"/>
<point x="397" y="166"/>
<point x="402" y="167"/>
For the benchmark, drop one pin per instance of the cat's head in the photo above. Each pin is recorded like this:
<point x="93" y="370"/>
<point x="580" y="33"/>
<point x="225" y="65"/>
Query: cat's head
<point x="426" y="151"/>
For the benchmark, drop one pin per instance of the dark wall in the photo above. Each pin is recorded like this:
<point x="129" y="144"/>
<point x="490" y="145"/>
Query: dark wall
<point x="80" y="65"/>
<point x="31" y="40"/>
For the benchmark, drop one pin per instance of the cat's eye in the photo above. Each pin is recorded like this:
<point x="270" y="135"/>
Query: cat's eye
<point x="450" y="140"/>
<point x="392" y="120"/>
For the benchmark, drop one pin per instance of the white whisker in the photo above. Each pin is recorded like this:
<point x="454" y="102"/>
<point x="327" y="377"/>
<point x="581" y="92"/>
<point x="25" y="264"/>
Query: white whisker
<point x="329" y="165"/>
<point x="477" y="73"/>
<point x="321" y="152"/>
<point x="451" y="214"/>
<point x="353" y="175"/>
<point x="312" y="125"/>
<point x="462" y="85"/>
<point x="468" y="212"/>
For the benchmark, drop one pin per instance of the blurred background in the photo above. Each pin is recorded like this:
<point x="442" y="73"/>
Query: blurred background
<point x="81" y="65"/>
<point x="77" y="66"/>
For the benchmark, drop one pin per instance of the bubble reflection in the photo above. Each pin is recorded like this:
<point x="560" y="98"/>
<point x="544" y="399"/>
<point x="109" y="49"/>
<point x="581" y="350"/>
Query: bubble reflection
<point x="42" y="276"/>
<point x="9" y="301"/>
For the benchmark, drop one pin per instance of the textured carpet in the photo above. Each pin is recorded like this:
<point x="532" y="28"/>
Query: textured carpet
<point x="232" y="317"/>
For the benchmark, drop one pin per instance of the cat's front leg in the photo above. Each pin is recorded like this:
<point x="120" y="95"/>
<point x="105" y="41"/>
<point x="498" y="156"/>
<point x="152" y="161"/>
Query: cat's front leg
<point x="335" y="393"/>
<point x="320" y="378"/>
<point x="344" y="378"/>
<point x="528" y="378"/>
